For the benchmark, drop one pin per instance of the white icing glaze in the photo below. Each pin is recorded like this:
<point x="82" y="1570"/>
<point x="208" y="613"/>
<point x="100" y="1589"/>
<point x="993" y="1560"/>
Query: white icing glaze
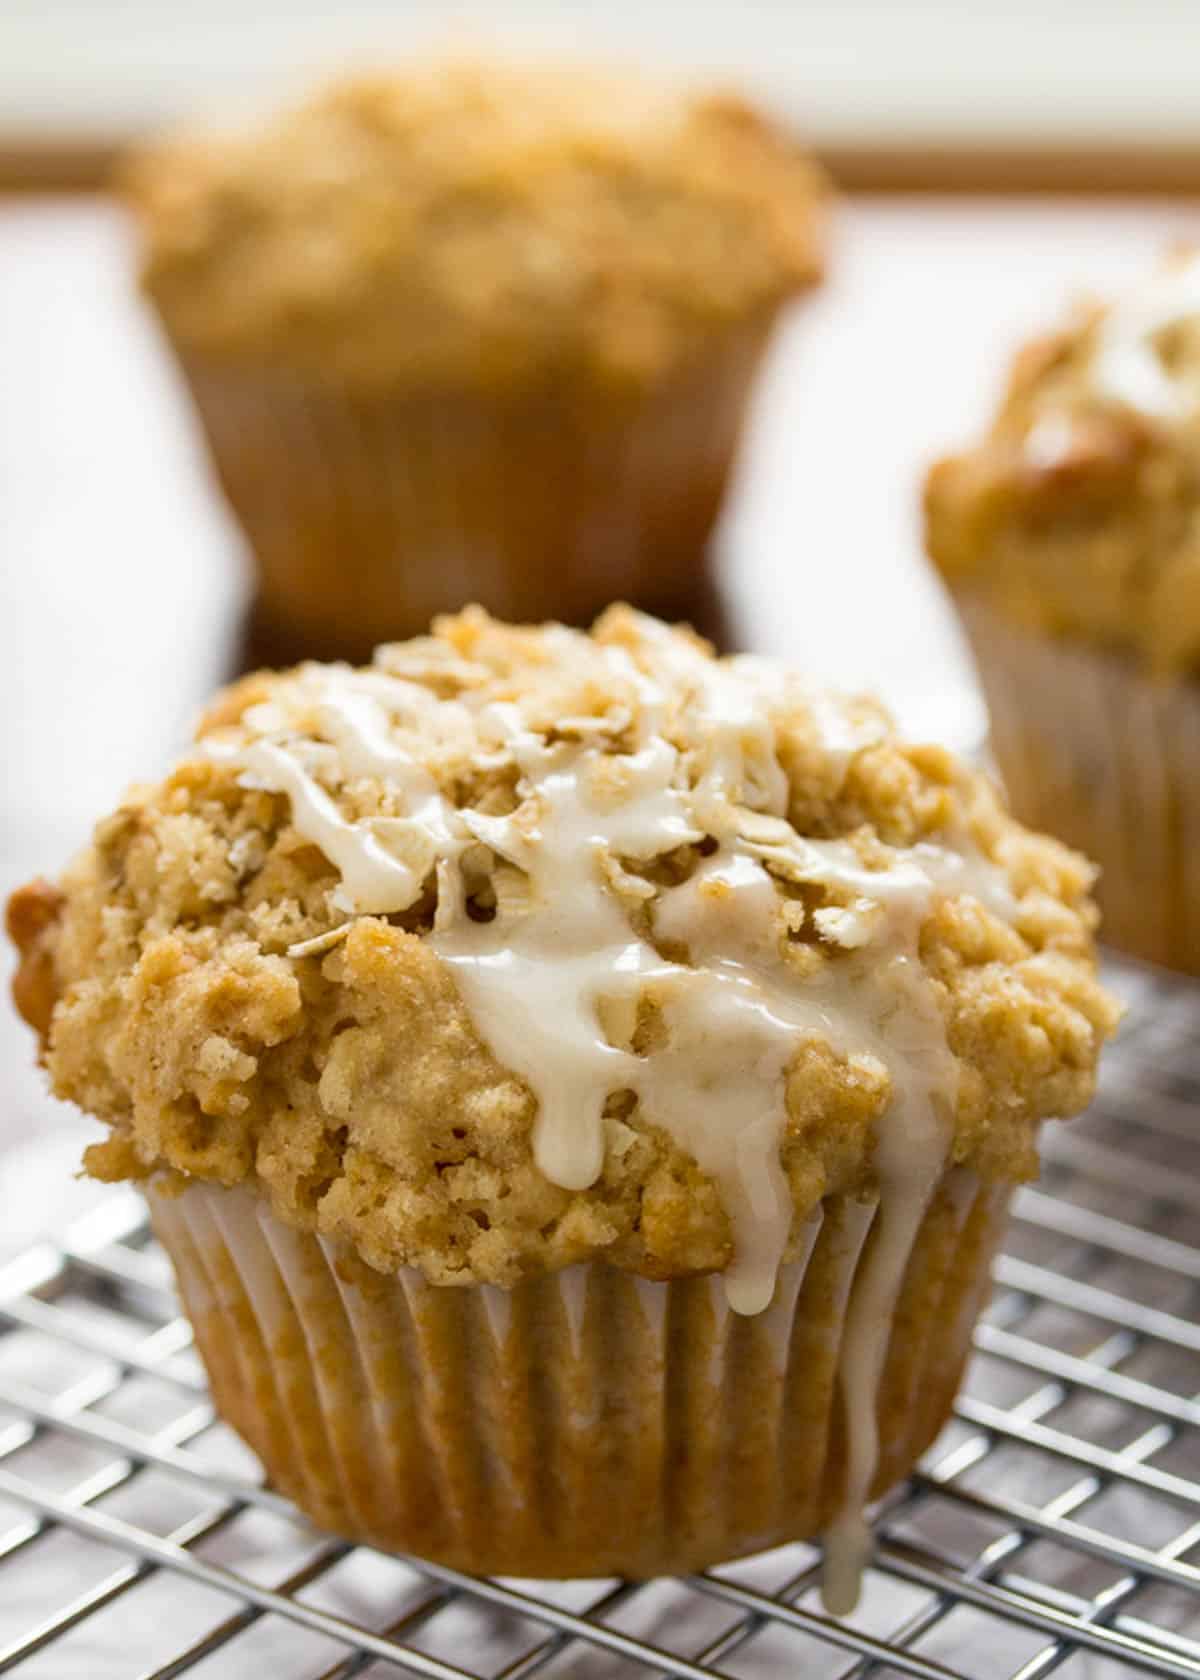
<point x="910" y="1155"/>
<point x="1126" y="365"/>
<point x="374" y="880"/>
<point x="556" y="980"/>
<point x="535" y="984"/>
<point x="848" y="1543"/>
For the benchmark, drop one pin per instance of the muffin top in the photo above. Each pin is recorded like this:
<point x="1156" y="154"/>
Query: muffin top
<point x="478" y="224"/>
<point x="1079" y="513"/>
<point x="527" y="946"/>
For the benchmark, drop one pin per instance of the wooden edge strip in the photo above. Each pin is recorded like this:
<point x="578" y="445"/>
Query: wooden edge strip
<point x="974" y="167"/>
<point x="54" y="166"/>
<point x="1141" y="170"/>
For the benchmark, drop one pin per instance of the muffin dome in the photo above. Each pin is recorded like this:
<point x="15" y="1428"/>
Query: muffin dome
<point x="1076" y="516"/>
<point x="527" y="946"/>
<point x="479" y="222"/>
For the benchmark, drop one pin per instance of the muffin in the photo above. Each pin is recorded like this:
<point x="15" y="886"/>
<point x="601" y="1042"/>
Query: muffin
<point x="578" y="1081"/>
<point x="1070" y="539"/>
<point x="476" y="332"/>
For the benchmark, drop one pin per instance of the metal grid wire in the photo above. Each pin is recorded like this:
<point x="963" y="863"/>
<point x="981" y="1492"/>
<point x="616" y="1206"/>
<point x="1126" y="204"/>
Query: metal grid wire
<point x="1054" y="1528"/>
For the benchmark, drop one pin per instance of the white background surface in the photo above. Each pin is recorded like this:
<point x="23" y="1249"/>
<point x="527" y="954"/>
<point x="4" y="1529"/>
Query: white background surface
<point x="846" y="70"/>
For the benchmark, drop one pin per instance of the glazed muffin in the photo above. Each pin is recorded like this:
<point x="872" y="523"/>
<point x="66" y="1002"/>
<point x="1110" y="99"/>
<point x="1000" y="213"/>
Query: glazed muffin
<point x="475" y="332"/>
<point x="579" y="1083"/>
<point x="1070" y="539"/>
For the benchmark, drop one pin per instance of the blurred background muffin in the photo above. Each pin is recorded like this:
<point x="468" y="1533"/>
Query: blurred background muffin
<point x="1070" y="538"/>
<point x="476" y="332"/>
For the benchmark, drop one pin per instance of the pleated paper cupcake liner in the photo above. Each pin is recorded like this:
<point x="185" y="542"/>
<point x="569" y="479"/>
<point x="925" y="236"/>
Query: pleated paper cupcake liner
<point x="584" y="1423"/>
<point x="367" y="515"/>
<point x="1096" y="751"/>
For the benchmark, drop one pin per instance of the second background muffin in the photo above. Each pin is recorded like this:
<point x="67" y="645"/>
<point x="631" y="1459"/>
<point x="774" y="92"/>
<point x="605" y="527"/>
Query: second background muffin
<point x="1067" y="537"/>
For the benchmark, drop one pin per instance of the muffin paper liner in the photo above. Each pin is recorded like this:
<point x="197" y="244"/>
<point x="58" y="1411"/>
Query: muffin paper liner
<point x="1096" y="751"/>
<point x="587" y="1422"/>
<point x="367" y="515"/>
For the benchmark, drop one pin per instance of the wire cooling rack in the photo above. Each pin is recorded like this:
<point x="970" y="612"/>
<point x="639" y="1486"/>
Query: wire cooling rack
<point x="1054" y="1528"/>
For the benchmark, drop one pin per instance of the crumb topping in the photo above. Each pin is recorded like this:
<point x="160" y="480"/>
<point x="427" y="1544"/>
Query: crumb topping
<point x="481" y="224"/>
<point x="1077" y="514"/>
<point x="525" y="946"/>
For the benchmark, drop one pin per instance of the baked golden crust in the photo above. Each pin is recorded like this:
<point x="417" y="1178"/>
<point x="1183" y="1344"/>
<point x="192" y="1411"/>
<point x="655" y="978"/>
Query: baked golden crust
<point x="468" y="225"/>
<point x="31" y="916"/>
<point x="349" y="1082"/>
<point x="1078" y="514"/>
